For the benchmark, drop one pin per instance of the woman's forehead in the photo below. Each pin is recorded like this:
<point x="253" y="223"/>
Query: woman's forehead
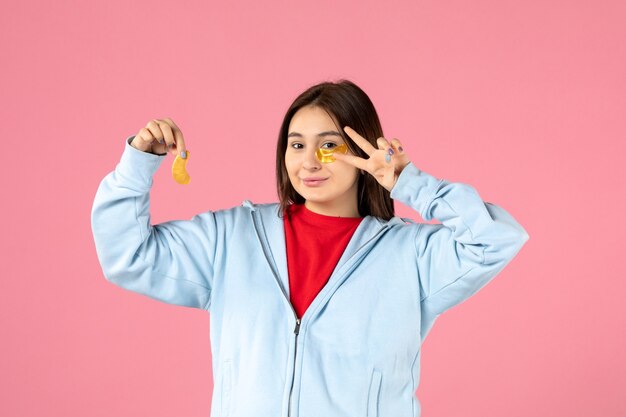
<point x="312" y="118"/>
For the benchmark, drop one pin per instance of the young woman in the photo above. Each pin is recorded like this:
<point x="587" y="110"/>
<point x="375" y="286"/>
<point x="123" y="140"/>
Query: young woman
<point x="319" y="303"/>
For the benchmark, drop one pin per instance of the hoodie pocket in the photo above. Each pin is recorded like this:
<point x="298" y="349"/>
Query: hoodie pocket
<point x="226" y="388"/>
<point x="374" y="393"/>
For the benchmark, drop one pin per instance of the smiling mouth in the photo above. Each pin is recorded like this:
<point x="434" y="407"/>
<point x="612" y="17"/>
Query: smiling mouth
<point x="314" y="182"/>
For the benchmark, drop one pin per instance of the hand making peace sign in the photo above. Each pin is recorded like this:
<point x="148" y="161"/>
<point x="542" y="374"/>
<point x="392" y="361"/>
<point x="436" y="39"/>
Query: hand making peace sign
<point x="385" y="163"/>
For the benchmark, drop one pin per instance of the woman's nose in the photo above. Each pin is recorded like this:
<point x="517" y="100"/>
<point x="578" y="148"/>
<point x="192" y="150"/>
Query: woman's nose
<point x="311" y="161"/>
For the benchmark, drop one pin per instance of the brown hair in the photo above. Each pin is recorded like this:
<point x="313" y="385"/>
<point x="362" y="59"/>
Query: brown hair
<point x="347" y="105"/>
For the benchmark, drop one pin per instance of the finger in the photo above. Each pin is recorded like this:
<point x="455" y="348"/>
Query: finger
<point x="167" y="134"/>
<point x="401" y="157"/>
<point x="155" y="130"/>
<point x="181" y="148"/>
<point x="171" y="123"/>
<point x="359" y="140"/>
<point x="144" y="139"/>
<point x="352" y="160"/>
<point x="397" y="146"/>
<point x="385" y="146"/>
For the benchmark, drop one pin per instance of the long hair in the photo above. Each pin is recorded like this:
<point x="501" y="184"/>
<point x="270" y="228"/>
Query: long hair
<point x="347" y="105"/>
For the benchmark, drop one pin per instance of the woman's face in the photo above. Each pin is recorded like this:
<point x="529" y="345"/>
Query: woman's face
<point x="336" y="194"/>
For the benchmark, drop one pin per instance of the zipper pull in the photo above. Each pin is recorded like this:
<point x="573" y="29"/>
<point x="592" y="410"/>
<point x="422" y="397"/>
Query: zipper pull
<point x="297" y="329"/>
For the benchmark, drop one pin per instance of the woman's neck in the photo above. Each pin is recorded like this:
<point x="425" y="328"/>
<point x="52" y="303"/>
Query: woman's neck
<point x="335" y="210"/>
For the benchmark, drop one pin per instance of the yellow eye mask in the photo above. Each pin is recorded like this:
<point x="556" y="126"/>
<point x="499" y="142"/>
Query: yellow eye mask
<point x="325" y="156"/>
<point x="179" y="171"/>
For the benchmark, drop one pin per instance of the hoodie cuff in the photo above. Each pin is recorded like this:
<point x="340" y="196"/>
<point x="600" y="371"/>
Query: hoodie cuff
<point x="415" y="188"/>
<point x="137" y="165"/>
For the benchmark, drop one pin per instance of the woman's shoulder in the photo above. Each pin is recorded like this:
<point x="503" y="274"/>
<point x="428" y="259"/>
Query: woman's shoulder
<point x="239" y="217"/>
<point x="247" y="206"/>
<point x="397" y="221"/>
<point x="259" y="206"/>
<point x="242" y="210"/>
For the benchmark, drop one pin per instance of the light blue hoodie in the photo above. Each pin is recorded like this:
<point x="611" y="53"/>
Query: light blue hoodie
<point x="356" y="351"/>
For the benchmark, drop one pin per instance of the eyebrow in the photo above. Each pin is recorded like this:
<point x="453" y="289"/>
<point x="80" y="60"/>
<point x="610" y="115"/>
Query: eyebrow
<point x="319" y="135"/>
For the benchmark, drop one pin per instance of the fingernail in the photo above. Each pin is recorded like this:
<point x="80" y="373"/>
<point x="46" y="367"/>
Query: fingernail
<point x="390" y="151"/>
<point x="400" y="148"/>
<point x="183" y="154"/>
<point x="161" y="141"/>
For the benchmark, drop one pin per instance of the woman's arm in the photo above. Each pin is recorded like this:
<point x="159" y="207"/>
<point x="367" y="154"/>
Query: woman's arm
<point x="172" y="261"/>
<point x="458" y="257"/>
<point x="475" y="241"/>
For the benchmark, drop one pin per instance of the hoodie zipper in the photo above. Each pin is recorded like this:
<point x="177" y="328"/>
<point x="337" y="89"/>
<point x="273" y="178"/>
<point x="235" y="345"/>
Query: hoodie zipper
<point x="298" y="321"/>
<point x="293" y="374"/>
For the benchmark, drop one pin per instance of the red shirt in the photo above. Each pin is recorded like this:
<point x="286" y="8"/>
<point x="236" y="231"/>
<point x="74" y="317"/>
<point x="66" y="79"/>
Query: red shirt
<point x="315" y="243"/>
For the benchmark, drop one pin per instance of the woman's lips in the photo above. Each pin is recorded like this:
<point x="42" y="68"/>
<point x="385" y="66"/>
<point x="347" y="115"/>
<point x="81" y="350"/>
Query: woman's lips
<point x="313" y="183"/>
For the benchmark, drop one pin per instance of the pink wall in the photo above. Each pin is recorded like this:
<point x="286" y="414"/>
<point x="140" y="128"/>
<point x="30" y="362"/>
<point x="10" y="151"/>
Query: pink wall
<point x="523" y="100"/>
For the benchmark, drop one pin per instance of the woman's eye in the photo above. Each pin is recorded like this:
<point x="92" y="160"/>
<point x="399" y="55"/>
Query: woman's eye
<point x="327" y="145"/>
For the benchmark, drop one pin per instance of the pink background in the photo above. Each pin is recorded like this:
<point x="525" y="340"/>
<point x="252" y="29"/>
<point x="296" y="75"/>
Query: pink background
<point x="523" y="100"/>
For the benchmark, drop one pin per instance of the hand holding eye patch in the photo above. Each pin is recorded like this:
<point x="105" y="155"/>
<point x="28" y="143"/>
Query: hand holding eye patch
<point x="385" y="163"/>
<point x="161" y="136"/>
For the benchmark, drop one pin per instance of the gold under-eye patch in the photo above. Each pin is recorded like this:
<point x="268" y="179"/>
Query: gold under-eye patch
<point x="325" y="156"/>
<point x="179" y="171"/>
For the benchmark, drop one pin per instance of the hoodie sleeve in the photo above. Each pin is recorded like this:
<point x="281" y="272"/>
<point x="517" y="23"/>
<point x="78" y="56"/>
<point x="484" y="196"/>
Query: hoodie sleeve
<point x="475" y="241"/>
<point x="171" y="262"/>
